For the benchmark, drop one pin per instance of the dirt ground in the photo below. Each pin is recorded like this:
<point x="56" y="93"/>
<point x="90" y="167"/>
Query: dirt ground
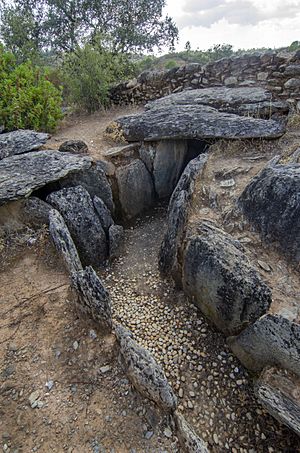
<point x="90" y="129"/>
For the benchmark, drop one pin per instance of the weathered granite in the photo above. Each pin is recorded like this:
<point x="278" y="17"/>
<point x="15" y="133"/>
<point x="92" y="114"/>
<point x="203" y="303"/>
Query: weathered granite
<point x="94" y="180"/>
<point x="195" y="121"/>
<point x="271" y="340"/>
<point x="77" y="209"/>
<point x="279" y="393"/>
<point x="177" y="217"/>
<point x="103" y="213"/>
<point x="116" y="237"/>
<point x="35" y="212"/>
<point x="91" y="297"/>
<point x="271" y="202"/>
<point x="74" y="147"/>
<point x="188" y="439"/>
<point x="220" y="280"/>
<point x="21" y="141"/>
<point x="135" y="187"/>
<point x="240" y="100"/>
<point x="63" y="242"/>
<point x="144" y="373"/>
<point x="23" y="174"/>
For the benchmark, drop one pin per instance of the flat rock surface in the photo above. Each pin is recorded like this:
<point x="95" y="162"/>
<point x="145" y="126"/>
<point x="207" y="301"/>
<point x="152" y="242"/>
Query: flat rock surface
<point x="21" y="175"/>
<point x="232" y="100"/>
<point x="195" y="121"/>
<point x="21" y="141"/>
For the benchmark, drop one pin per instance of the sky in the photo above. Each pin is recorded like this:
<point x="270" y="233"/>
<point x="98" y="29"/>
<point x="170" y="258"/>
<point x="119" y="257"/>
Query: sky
<point x="242" y="23"/>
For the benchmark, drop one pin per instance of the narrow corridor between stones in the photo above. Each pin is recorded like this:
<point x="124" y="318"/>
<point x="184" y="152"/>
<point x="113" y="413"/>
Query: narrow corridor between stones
<point x="215" y="392"/>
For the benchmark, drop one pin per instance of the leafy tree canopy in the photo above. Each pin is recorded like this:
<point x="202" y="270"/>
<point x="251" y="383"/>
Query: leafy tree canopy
<point x="31" y="26"/>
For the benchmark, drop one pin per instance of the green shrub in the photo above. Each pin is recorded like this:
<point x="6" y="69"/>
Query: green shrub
<point x="90" y="71"/>
<point x="171" y="64"/>
<point x="28" y="99"/>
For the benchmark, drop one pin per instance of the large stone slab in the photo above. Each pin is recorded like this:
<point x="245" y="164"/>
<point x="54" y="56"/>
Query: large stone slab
<point x="271" y="340"/>
<point x="279" y="393"/>
<point x="241" y="100"/>
<point x="271" y="202"/>
<point x="177" y="218"/>
<point x="92" y="298"/>
<point x="23" y="174"/>
<point x="221" y="281"/>
<point x="195" y="122"/>
<point x="77" y="209"/>
<point x="144" y="372"/>
<point x="21" y="141"/>
<point x="64" y="242"/>
<point x="135" y="186"/>
<point x="188" y="439"/>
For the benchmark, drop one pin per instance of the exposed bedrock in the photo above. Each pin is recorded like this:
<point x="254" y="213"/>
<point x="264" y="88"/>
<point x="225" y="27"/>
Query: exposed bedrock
<point x="64" y="242"/>
<point x="20" y="142"/>
<point x="253" y="101"/>
<point x="91" y="297"/>
<point x="135" y="188"/>
<point x="144" y="372"/>
<point x="169" y="263"/>
<point x="271" y="202"/>
<point x="77" y="209"/>
<point x="278" y="391"/>
<point x="23" y="174"/>
<point x="271" y="340"/>
<point x="219" y="278"/>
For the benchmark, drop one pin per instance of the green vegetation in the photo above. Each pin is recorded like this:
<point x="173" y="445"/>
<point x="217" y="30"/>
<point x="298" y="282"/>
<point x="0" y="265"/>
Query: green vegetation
<point x="28" y="99"/>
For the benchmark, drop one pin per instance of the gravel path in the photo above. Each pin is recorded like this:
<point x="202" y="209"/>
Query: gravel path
<point x="214" y="391"/>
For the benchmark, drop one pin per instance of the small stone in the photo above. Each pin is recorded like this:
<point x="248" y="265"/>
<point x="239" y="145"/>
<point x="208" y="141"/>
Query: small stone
<point x="168" y="433"/>
<point x="216" y="439"/>
<point x="227" y="183"/>
<point x="190" y="405"/>
<point x="75" y="345"/>
<point x="33" y="397"/>
<point x="149" y="434"/>
<point x="105" y="369"/>
<point x="50" y="385"/>
<point x="180" y="393"/>
<point x="264" y="266"/>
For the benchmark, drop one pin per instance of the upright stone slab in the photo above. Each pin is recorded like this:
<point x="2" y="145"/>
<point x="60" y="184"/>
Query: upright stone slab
<point x="77" y="209"/>
<point x="271" y="202"/>
<point x="188" y="439"/>
<point x="144" y="373"/>
<point x="271" y="340"/>
<point x="64" y="242"/>
<point x="20" y="142"/>
<point x="35" y="212"/>
<point x="167" y="165"/>
<point x="135" y="186"/>
<point x="177" y="217"/>
<point x="221" y="281"/>
<point x="91" y="297"/>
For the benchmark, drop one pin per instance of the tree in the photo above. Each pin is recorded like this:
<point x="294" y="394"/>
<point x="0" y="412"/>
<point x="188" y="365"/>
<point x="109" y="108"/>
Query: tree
<point x="62" y="26"/>
<point x="188" y="46"/>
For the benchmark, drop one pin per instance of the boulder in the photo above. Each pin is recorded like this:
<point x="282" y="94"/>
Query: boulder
<point x="167" y="165"/>
<point x="144" y="373"/>
<point x="116" y="241"/>
<point x="94" y="180"/>
<point x="20" y="142"/>
<point x="279" y="393"/>
<point x="271" y="202"/>
<point x="103" y="213"/>
<point x="35" y="212"/>
<point x="188" y="439"/>
<point x="23" y="174"/>
<point x="64" y="242"/>
<point x="77" y="209"/>
<point x="218" y="277"/>
<point x="271" y="340"/>
<point x="91" y="297"/>
<point x="177" y="217"/>
<point x="252" y="100"/>
<point x="74" y="147"/>
<point x="195" y="122"/>
<point x="136" y="192"/>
